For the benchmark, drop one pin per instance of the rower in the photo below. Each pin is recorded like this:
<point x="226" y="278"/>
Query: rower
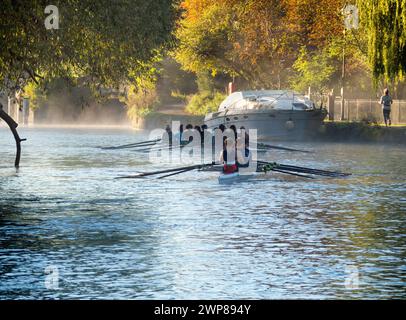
<point x="243" y="154"/>
<point x="178" y="135"/>
<point x="200" y="131"/>
<point x="189" y="127"/>
<point x="227" y="157"/>
<point x="169" y="132"/>
<point x="247" y="137"/>
<point x="234" y="128"/>
<point x="204" y="128"/>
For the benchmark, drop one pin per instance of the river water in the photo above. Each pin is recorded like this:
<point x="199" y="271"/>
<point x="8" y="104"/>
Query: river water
<point x="68" y="230"/>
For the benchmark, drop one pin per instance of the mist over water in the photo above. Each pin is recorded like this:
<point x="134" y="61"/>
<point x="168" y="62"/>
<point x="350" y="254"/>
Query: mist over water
<point x="187" y="237"/>
<point x="96" y="114"/>
<point x="67" y="104"/>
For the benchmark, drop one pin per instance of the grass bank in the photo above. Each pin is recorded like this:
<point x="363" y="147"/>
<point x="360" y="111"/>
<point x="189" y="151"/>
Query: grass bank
<point x="362" y="132"/>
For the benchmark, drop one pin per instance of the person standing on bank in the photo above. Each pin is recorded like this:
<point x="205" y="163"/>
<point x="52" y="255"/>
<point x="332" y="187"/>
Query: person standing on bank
<point x="386" y="102"/>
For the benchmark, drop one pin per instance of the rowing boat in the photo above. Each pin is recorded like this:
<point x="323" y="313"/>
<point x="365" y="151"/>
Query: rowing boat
<point x="235" y="177"/>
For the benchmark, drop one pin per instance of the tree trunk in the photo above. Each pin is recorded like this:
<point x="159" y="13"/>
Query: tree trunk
<point x="13" y="127"/>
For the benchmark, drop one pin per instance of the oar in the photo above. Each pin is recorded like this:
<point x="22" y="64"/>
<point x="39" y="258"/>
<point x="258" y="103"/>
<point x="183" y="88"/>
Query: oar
<point x="131" y="146"/>
<point x="186" y="170"/>
<point x="326" y="174"/>
<point x="305" y="170"/>
<point x="311" y="170"/>
<point x="272" y="168"/>
<point x="151" y="144"/>
<point x="142" y="143"/>
<point x="145" y="174"/>
<point x="293" y="174"/>
<point x="153" y="148"/>
<point x="299" y="169"/>
<point x="269" y="146"/>
<point x="163" y="147"/>
<point x="175" y="173"/>
<point x="314" y="171"/>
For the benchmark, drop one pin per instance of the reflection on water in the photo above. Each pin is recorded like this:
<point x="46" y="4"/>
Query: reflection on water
<point x="187" y="236"/>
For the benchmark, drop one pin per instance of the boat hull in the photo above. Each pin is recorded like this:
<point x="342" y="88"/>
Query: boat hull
<point x="234" y="177"/>
<point x="271" y="124"/>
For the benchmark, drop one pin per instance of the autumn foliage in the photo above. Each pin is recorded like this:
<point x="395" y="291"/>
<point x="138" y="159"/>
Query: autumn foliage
<point x="257" y="40"/>
<point x="270" y="42"/>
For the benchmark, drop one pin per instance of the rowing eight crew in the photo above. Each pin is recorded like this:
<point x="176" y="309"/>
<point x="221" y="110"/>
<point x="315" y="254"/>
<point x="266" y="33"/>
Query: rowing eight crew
<point x="235" y="153"/>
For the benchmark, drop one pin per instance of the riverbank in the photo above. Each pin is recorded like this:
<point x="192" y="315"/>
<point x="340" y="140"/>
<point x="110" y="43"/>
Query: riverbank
<point x="361" y="132"/>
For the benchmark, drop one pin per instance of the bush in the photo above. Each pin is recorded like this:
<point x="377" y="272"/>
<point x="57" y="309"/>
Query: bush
<point x="205" y="102"/>
<point x="141" y="101"/>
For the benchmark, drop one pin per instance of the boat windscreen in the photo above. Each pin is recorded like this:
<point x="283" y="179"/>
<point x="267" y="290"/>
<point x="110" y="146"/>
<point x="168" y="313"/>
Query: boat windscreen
<point x="301" y="106"/>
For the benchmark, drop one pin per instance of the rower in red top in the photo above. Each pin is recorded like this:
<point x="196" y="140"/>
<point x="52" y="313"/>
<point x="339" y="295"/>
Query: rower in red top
<point x="227" y="157"/>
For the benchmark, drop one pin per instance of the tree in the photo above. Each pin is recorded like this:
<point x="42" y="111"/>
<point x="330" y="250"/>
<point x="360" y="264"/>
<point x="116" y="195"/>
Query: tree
<point x="314" y="23"/>
<point x="315" y="70"/>
<point x="258" y="41"/>
<point x="384" y="22"/>
<point x="140" y="99"/>
<point x="239" y="38"/>
<point x="108" y="42"/>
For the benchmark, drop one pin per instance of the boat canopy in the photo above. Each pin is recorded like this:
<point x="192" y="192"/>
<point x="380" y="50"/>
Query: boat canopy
<point x="266" y="99"/>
